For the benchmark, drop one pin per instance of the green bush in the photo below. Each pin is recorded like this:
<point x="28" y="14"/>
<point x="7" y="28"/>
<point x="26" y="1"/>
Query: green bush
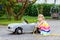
<point x="2" y="12"/>
<point x="32" y="10"/>
<point x="17" y="8"/>
<point x="46" y="9"/>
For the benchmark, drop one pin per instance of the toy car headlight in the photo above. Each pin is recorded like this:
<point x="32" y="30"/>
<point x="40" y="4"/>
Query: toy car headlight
<point x="9" y="27"/>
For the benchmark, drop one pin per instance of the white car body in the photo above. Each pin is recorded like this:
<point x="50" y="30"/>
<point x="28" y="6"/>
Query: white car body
<point x="26" y="27"/>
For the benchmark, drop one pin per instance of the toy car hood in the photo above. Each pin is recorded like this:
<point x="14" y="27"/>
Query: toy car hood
<point x="16" y="24"/>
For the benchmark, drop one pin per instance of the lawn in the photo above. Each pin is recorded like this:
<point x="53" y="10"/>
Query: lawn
<point x="29" y="18"/>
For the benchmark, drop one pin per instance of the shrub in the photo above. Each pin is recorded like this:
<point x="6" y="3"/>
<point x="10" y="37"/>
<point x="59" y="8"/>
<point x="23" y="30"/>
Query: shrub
<point x="17" y="8"/>
<point x="2" y="10"/>
<point x="32" y="10"/>
<point x="46" y="9"/>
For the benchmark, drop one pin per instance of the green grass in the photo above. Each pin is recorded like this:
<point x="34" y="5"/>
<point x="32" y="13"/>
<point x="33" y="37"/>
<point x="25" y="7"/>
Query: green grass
<point x="29" y="18"/>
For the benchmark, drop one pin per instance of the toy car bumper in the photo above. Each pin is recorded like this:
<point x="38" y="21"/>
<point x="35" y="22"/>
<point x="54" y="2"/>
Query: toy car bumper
<point x="11" y="29"/>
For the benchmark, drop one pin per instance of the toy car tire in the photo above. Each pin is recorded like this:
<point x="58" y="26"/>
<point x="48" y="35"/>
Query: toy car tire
<point x="18" y="30"/>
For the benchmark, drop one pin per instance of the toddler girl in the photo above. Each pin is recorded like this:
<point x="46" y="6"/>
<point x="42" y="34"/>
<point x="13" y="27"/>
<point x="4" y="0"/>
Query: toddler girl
<point x="43" y="26"/>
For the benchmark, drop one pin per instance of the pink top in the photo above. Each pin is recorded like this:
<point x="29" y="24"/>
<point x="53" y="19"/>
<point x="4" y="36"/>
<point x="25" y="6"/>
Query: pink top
<point x="44" y="26"/>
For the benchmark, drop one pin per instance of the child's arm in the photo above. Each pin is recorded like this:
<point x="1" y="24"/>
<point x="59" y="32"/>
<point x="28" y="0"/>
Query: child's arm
<point x="40" y="24"/>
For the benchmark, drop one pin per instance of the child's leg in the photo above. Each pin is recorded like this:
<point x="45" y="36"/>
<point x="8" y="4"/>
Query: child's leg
<point x="38" y="30"/>
<point x="34" y="31"/>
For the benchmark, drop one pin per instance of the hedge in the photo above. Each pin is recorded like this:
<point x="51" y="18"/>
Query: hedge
<point x="2" y="10"/>
<point x="32" y="9"/>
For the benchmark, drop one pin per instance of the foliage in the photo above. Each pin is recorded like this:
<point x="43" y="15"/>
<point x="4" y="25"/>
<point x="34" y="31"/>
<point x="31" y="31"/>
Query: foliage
<point x="2" y="10"/>
<point x="17" y="8"/>
<point x="32" y="10"/>
<point x="46" y="9"/>
<point x="30" y="19"/>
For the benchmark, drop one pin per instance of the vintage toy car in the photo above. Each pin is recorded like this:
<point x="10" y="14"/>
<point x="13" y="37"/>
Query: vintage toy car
<point x="20" y="28"/>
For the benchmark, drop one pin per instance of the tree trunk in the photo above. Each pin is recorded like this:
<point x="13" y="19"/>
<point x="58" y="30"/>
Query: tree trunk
<point x="41" y="10"/>
<point x="54" y="2"/>
<point x="16" y="17"/>
<point x="24" y="7"/>
<point x="45" y="1"/>
<point x="8" y="13"/>
<point x="21" y="12"/>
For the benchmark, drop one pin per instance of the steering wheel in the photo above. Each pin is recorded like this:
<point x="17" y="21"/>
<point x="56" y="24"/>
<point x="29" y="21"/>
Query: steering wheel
<point x="26" y="21"/>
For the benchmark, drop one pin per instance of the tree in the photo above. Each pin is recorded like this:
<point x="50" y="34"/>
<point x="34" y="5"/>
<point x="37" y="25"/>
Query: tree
<point x="27" y="3"/>
<point x="45" y="1"/>
<point x="54" y="2"/>
<point x="8" y="6"/>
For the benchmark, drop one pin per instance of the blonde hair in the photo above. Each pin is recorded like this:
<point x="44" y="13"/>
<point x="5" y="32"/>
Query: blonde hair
<point x="41" y="16"/>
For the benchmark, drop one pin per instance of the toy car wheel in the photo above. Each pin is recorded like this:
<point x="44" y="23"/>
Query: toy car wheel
<point x="18" y="30"/>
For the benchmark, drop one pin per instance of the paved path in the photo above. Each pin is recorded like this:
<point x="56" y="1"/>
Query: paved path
<point x="55" y="29"/>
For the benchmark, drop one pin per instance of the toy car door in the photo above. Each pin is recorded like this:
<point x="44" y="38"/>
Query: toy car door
<point x="28" y="27"/>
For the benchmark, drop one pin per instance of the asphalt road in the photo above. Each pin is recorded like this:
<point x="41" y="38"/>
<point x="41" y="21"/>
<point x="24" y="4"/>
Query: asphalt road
<point x="55" y="29"/>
